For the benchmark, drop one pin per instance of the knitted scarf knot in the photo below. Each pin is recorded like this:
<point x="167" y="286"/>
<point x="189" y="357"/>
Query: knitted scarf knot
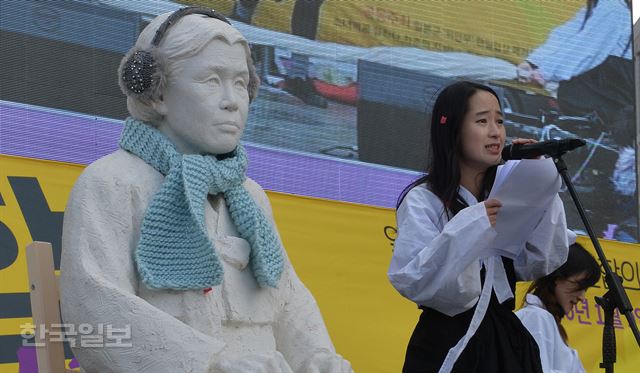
<point x="174" y="251"/>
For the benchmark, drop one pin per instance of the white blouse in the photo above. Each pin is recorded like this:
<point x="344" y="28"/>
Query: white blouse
<point x="436" y="262"/>
<point x="572" y="49"/>
<point x="555" y="355"/>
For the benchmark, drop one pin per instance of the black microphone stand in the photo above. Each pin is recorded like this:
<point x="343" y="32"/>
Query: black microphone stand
<point x="615" y="297"/>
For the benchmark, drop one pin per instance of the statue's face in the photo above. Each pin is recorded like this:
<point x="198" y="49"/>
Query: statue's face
<point x="206" y="101"/>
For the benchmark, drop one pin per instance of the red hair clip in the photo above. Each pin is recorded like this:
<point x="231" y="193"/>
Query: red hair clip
<point x="443" y="119"/>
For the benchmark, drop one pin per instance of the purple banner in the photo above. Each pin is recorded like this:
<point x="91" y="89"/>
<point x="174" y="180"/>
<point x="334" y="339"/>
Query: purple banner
<point x="41" y="133"/>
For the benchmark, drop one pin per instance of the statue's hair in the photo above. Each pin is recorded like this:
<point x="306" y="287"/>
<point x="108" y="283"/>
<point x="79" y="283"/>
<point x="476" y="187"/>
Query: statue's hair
<point x="188" y="36"/>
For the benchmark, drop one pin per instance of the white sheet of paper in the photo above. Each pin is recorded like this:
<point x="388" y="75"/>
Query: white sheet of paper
<point x="526" y="189"/>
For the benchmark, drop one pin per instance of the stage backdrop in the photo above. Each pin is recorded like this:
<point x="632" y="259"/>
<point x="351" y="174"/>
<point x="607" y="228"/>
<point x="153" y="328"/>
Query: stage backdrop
<point x="339" y="127"/>
<point x="354" y="80"/>
<point x="381" y="63"/>
<point x="340" y="250"/>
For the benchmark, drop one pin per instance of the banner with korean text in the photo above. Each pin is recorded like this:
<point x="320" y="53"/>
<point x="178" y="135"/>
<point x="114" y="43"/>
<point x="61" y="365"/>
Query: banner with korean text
<point x="340" y="250"/>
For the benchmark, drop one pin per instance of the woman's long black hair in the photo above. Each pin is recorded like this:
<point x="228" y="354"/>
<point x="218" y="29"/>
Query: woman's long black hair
<point x="445" y="147"/>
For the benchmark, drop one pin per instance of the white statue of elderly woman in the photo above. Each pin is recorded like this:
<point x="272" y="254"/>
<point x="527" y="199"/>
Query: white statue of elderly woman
<point x="166" y="236"/>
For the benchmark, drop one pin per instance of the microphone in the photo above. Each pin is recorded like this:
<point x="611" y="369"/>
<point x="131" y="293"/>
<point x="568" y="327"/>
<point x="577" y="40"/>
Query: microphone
<point x="551" y="148"/>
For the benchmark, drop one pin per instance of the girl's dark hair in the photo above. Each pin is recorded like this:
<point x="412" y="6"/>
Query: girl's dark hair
<point x="590" y="5"/>
<point x="445" y="144"/>
<point x="578" y="261"/>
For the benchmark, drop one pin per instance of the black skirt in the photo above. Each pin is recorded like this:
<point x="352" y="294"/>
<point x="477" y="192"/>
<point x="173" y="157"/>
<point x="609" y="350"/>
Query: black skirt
<point x="500" y="345"/>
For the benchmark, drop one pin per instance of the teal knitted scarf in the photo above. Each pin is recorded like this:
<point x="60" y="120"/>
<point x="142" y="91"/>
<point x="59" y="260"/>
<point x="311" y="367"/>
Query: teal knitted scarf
<point x="174" y="251"/>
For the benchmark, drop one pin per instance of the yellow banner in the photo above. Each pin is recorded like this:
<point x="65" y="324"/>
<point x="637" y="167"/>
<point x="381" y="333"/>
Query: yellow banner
<point x="341" y="251"/>
<point x="507" y="29"/>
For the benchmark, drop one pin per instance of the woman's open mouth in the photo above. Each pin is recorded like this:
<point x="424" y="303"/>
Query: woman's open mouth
<point x="493" y="148"/>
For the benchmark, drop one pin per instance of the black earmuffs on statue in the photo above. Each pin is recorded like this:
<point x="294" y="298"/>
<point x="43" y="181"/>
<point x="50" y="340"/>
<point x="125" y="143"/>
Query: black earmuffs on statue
<point x="141" y="72"/>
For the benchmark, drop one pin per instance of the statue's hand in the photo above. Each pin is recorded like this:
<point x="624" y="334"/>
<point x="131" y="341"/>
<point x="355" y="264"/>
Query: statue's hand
<point x="268" y="362"/>
<point x="327" y="362"/>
